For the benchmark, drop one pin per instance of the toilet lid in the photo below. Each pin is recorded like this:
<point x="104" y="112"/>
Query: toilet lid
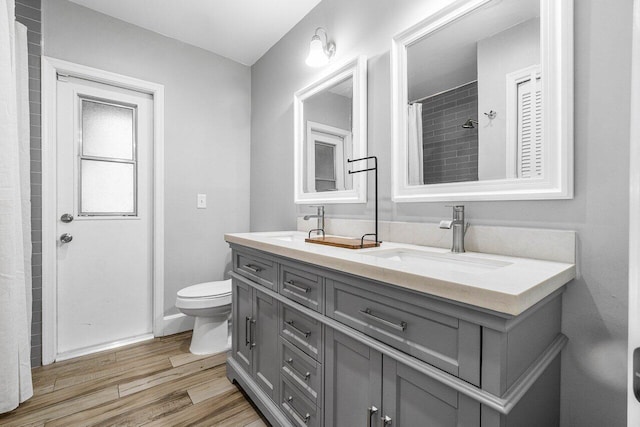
<point x="207" y="290"/>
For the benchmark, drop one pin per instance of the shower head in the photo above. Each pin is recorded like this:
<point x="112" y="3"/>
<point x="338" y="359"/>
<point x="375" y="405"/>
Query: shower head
<point x="469" y="124"/>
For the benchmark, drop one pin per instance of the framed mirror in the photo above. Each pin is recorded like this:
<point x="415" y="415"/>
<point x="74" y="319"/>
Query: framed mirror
<point x="482" y="98"/>
<point x="330" y="126"/>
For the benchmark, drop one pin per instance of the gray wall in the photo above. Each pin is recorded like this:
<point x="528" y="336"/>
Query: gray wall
<point x="512" y="49"/>
<point x="28" y="12"/>
<point x="207" y="119"/>
<point x="595" y="304"/>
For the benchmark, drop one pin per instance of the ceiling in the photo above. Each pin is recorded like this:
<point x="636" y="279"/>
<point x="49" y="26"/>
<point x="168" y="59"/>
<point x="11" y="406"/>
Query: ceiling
<point x="241" y="30"/>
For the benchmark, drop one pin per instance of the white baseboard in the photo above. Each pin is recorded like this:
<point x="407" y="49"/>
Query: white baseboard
<point x="102" y="347"/>
<point x="177" y="323"/>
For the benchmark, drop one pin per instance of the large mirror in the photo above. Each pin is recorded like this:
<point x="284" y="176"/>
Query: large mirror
<point x="482" y="96"/>
<point x="330" y="127"/>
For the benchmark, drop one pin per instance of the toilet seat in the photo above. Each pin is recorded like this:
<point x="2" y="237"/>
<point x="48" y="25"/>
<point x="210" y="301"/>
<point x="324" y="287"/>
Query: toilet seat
<point x="215" y="289"/>
<point x="204" y="295"/>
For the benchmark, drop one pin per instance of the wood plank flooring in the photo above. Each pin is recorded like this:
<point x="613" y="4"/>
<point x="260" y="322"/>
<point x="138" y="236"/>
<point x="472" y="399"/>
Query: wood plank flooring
<point x="154" y="383"/>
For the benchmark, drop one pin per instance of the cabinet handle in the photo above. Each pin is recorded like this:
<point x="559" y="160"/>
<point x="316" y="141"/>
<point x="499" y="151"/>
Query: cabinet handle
<point x="247" y="331"/>
<point x="386" y="421"/>
<point x="305" y="418"/>
<point x="397" y="326"/>
<point x="370" y="411"/>
<point x="306" y="374"/>
<point x="292" y="284"/>
<point x="298" y="330"/>
<point x="252" y="328"/>
<point x="253" y="268"/>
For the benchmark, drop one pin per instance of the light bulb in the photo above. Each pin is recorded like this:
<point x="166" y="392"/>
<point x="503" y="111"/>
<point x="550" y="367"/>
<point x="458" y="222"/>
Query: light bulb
<point x="317" y="56"/>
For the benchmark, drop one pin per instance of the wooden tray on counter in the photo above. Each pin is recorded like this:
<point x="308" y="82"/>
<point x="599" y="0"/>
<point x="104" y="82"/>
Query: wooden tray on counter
<point x="342" y="242"/>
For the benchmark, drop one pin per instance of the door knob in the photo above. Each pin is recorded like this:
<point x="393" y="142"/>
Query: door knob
<point x="66" y="238"/>
<point x="66" y="217"/>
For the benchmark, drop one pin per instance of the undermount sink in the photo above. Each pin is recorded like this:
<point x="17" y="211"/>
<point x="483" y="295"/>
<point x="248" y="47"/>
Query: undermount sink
<point x="286" y="237"/>
<point x="463" y="262"/>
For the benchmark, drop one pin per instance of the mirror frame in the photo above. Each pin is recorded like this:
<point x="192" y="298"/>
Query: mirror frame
<point x="556" y="43"/>
<point x="356" y="69"/>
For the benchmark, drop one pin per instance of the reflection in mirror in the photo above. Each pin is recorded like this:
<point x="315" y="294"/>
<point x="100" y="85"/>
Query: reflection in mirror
<point x="475" y="106"/>
<point x="327" y="118"/>
<point x="474" y="98"/>
<point x="330" y="127"/>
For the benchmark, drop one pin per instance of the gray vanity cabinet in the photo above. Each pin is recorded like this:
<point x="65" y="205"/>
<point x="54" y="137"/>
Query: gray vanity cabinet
<point x="353" y="380"/>
<point x="410" y="398"/>
<point x="408" y="323"/>
<point x="365" y="388"/>
<point x="255" y="341"/>
<point x="316" y="347"/>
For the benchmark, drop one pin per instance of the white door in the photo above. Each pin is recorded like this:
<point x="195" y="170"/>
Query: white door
<point x="104" y="216"/>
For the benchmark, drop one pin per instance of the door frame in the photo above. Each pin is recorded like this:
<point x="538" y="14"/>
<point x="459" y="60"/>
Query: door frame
<point x="51" y="67"/>
<point x="633" y="406"/>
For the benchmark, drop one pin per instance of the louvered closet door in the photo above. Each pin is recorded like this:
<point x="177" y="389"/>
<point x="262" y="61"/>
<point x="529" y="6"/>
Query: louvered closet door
<point x="530" y="150"/>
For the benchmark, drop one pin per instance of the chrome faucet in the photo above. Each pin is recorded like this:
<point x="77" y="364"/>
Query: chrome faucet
<point x="459" y="228"/>
<point x="319" y="215"/>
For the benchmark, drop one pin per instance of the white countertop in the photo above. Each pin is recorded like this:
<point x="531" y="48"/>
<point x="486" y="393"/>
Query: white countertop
<point x="500" y="283"/>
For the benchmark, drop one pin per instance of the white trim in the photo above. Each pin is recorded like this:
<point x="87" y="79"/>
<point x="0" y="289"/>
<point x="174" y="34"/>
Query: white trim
<point x="357" y="69"/>
<point x="513" y="79"/>
<point x="102" y="347"/>
<point x="50" y="68"/>
<point x="342" y="144"/>
<point x="176" y="323"/>
<point x="557" y="71"/>
<point x="633" y="406"/>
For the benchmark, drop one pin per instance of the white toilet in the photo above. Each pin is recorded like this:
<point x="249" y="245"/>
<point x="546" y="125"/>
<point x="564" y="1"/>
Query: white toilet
<point x="210" y="304"/>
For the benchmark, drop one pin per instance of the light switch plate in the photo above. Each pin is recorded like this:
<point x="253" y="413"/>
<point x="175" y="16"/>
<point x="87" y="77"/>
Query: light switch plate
<point x="202" y="201"/>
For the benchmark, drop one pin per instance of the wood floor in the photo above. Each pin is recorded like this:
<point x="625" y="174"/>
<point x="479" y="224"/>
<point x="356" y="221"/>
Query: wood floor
<point x="155" y="383"/>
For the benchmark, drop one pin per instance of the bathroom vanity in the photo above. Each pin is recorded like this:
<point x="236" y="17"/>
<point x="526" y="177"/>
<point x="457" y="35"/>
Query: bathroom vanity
<point x="399" y="335"/>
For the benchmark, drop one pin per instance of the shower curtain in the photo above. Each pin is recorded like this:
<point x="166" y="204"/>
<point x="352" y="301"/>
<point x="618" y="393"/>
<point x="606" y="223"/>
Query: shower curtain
<point x="15" y="213"/>
<point x="415" y="150"/>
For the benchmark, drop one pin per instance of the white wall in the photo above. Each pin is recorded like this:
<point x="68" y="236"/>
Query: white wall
<point x="508" y="51"/>
<point x="207" y="131"/>
<point x="595" y="304"/>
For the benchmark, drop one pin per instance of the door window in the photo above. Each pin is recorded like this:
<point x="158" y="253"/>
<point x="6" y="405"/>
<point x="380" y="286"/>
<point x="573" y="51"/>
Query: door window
<point x="108" y="163"/>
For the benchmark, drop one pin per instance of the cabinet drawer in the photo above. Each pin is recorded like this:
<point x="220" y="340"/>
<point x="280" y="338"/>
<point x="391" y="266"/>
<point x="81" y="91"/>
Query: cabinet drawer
<point x="443" y="341"/>
<point x="302" y="287"/>
<point x="253" y="267"/>
<point x="302" y="331"/>
<point x="301" y="370"/>
<point x="297" y="408"/>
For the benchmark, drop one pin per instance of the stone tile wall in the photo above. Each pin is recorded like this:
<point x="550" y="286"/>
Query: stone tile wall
<point x="28" y="12"/>
<point x="450" y="152"/>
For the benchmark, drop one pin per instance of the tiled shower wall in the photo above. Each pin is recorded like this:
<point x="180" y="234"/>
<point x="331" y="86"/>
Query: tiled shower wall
<point x="28" y="12"/>
<point x="450" y="152"/>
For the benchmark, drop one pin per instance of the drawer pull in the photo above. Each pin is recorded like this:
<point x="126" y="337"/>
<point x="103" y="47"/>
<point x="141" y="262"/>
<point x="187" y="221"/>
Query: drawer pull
<point x="397" y="326"/>
<point x="386" y="421"/>
<point x="292" y="284"/>
<point x="305" y="376"/>
<point x="298" y="330"/>
<point x="372" y="410"/>
<point x="253" y="268"/>
<point x="247" y="331"/>
<point x="305" y="418"/>
<point x="252" y="329"/>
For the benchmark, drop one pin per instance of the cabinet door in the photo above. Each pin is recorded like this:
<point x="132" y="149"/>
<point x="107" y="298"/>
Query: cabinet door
<point x="353" y="380"/>
<point x="265" y="343"/>
<point x="242" y="317"/>
<point x="410" y="398"/>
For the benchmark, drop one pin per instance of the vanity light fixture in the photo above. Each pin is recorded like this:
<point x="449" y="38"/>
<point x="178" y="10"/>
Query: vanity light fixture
<point x="319" y="52"/>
